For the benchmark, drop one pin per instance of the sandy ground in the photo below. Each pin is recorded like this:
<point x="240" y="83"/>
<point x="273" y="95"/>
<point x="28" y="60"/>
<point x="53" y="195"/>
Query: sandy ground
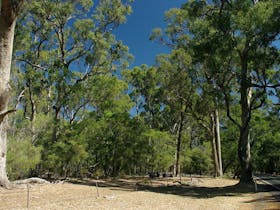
<point x="198" y="193"/>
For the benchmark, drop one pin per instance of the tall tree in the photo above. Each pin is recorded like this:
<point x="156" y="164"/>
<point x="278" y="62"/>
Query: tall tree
<point x="200" y="90"/>
<point x="8" y="15"/>
<point x="178" y="92"/>
<point x="234" y="40"/>
<point x="163" y="95"/>
<point x="233" y="43"/>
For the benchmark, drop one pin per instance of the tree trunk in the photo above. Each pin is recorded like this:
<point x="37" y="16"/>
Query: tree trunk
<point x="32" y="114"/>
<point x="244" y="154"/>
<point x="218" y="141"/>
<point x="56" y="123"/>
<point x="178" y="149"/>
<point x="6" y="48"/>
<point x="214" y="146"/>
<point x="3" y="151"/>
<point x="244" y="149"/>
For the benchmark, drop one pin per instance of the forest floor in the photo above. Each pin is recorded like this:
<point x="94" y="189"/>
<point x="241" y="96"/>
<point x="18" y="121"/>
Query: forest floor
<point x="140" y="193"/>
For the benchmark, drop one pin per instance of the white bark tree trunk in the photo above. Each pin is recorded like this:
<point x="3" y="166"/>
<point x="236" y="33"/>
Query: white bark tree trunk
<point x="218" y="139"/>
<point x="214" y="145"/>
<point x="8" y="13"/>
<point x="3" y="151"/>
<point x="6" y="47"/>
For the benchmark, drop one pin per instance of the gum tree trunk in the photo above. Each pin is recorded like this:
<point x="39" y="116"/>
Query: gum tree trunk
<point x="8" y="13"/>
<point x="6" y="46"/>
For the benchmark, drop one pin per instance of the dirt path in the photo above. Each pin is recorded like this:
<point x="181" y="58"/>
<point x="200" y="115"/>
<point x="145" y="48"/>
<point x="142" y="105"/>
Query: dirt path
<point x="200" y="194"/>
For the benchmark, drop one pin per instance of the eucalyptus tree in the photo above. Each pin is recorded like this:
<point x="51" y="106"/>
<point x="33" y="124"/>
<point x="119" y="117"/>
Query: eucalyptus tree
<point x="146" y="92"/>
<point x="189" y="75"/>
<point x="8" y="15"/>
<point x="205" y="112"/>
<point x="64" y="43"/>
<point x="60" y="45"/>
<point x="163" y="95"/>
<point x="102" y="139"/>
<point x="234" y="42"/>
<point x="178" y="92"/>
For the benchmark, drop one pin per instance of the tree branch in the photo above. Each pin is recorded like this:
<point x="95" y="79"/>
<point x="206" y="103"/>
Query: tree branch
<point x="228" y="109"/>
<point x="3" y="114"/>
<point x="77" y="110"/>
<point x="32" y="64"/>
<point x="265" y="85"/>
<point x="21" y="95"/>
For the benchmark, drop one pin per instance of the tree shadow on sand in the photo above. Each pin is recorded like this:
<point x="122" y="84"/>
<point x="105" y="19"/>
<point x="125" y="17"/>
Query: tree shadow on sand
<point x="173" y="188"/>
<point x="269" y="196"/>
<point x="198" y="191"/>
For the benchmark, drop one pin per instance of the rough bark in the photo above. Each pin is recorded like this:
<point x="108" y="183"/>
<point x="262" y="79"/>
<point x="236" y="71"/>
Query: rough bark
<point x="244" y="154"/>
<point x="244" y="149"/>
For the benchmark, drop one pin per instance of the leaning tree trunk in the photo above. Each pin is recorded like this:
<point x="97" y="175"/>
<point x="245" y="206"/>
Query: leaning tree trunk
<point x="6" y="46"/>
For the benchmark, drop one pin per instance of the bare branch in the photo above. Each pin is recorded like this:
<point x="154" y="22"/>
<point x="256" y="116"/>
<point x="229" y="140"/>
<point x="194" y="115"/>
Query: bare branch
<point x="20" y="96"/>
<point x="32" y="64"/>
<point x="77" y="110"/>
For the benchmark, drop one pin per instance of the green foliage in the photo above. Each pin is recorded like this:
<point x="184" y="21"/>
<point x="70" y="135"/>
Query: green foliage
<point x="75" y="117"/>
<point x="198" y="160"/>
<point x="69" y="66"/>
<point x="265" y="137"/>
<point x="115" y="143"/>
<point x="229" y="136"/>
<point x="231" y="44"/>
<point x="67" y="154"/>
<point x="162" y="150"/>
<point x="22" y="158"/>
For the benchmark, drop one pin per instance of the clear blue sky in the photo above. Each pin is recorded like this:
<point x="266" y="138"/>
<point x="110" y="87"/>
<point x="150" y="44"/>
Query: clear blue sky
<point x="147" y="15"/>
